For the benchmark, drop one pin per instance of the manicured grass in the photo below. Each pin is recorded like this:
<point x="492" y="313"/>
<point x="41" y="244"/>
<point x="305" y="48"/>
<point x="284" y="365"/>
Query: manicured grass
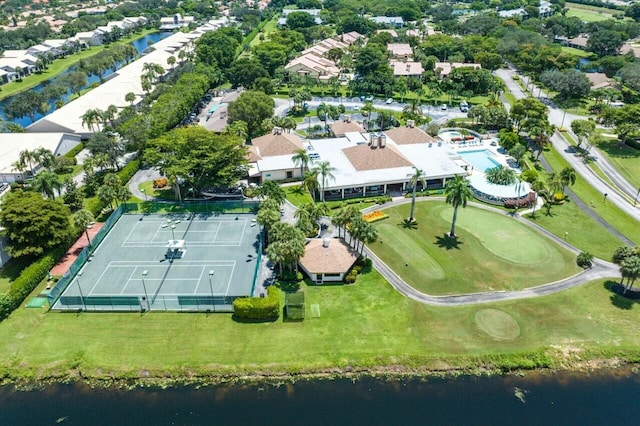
<point x="618" y="219"/>
<point x="493" y="251"/>
<point x="363" y="325"/>
<point x="10" y="271"/>
<point x="588" y="15"/>
<point x="569" y="218"/>
<point x="362" y="203"/>
<point x="625" y="159"/>
<point x="577" y="52"/>
<point x="510" y="98"/>
<point x="297" y="195"/>
<point x="164" y="194"/>
<point x="60" y="65"/>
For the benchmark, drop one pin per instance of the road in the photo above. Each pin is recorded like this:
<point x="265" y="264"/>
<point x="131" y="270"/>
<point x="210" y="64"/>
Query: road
<point x="559" y="118"/>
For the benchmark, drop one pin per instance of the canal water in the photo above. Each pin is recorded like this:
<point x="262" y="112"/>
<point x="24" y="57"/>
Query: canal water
<point x="140" y="44"/>
<point x="534" y="400"/>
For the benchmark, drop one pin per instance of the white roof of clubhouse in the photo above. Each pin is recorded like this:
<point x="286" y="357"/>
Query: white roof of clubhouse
<point x="357" y="164"/>
<point x="112" y="92"/>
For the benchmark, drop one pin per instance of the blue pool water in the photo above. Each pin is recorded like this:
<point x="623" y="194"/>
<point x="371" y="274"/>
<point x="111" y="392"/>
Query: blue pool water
<point x="479" y="159"/>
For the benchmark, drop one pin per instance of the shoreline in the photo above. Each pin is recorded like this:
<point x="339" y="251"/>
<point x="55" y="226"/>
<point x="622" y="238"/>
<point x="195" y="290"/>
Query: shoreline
<point x="614" y="367"/>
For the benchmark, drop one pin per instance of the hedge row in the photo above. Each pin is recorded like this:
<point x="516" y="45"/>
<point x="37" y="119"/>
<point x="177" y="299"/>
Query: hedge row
<point x="28" y="280"/>
<point x="75" y="151"/>
<point x="258" y="308"/>
<point x="129" y="170"/>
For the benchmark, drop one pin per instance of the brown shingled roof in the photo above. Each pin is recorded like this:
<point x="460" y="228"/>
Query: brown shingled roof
<point x="363" y="157"/>
<point x="274" y="144"/>
<point x="408" y="135"/>
<point x="335" y="259"/>
<point x="339" y="128"/>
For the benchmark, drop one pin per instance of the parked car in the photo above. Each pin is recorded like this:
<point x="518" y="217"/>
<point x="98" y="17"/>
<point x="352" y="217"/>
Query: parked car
<point x="443" y="107"/>
<point x="464" y="106"/>
<point x="389" y="101"/>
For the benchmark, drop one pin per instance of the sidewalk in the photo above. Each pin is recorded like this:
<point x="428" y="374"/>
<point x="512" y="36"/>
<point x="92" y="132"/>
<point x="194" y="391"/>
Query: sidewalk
<point x="72" y="254"/>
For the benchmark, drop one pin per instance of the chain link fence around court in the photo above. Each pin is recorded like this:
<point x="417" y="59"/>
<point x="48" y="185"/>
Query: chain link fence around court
<point x="135" y="303"/>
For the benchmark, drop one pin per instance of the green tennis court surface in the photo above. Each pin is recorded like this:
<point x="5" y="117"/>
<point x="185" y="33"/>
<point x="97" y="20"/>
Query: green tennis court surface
<point x="36" y="302"/>
<point x="186" y="261"/>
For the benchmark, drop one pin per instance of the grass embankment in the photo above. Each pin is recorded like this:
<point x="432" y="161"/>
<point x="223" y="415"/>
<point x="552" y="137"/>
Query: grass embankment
<point x="366" y="326"/>
<point x="493" y="252"/>
<point x="618" y="219"/>
<point x="60" y="65"/>
<point x="625" y="159"/>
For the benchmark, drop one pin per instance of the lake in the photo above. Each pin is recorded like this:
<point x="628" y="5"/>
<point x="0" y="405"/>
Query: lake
<point x="560" y="399"/>
<point x="140" y="44"/>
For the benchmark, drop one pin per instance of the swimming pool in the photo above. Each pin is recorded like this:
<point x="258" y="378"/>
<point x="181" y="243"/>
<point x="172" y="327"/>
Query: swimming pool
<point x="480" y="159"/>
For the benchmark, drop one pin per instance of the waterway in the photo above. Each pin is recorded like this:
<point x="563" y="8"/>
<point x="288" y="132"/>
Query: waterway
<point x="561" y="399"/>
<point x="140" y="44"/>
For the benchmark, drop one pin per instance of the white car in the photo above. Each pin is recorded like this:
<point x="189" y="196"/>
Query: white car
<point x="389" y="101"/>
<point x="443" y="107"/>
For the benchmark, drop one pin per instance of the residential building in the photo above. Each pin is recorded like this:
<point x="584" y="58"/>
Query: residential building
<point x="443" y="69"/>
<point x="282" y="22"/>
<point x="174" y="22"/>
<point x="579" y="42"/>
<point x="406" y="68"/>
<point x="598" y="80"/>
<point x="400" y="51"/>
<point x="13" y="143"/>
<point x="341" y="128"/>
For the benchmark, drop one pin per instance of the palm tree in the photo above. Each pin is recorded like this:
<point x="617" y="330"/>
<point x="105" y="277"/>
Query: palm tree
<point x="457" y="193"/>
<point x="81" y="219"/>
<point x="630" y="269"/>
<point x="47" y="183"/>
<point x="324" y="169"/>
<point x="44" y="157"/>
<point x="500" y="175"/>
<point x="130" y="97"/>
<point x="567" y="177"/>
<point x="417" y="177"/>
<point x="270" y="189"/>
<point x="91" y="119"/>
<point x="171" y="61"/>
<point x="368" y="235"/>
<point x="554" y="182"/>
<point x="110" y="114"/>
<point x="26" y="158"/>
<point x="300" y="157"/>
<point x="538" y="186"/>
<point x="310" y="182"/>
<point x="413" y="108"/>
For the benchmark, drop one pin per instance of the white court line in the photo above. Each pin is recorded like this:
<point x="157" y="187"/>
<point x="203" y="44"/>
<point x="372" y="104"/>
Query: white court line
<point x="154" y="264"/>
<point x="189" y="243"/>
<point x="100" y="278"/>
<point x="128" y="280"/>
<point x="146" y="280"/>
<point x="233" y="268"/>
<point x="195" y="291"/>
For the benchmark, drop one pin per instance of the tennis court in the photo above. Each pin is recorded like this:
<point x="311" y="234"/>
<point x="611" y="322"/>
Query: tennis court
<point x="184" y="261"/>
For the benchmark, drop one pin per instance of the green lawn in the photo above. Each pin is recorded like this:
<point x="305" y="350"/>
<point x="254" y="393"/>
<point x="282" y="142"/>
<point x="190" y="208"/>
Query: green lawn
<point x="577" y="52"/>
<point x="363" y="325"/>
<point x="10" y="271"/>
<point x="494" y="252"/>
<point x="588" y="15"/>
<point x="625" y="159"/>
<point x="297" y="195"/>
<point x="60" y="65"/>
<point x="165" y="194"/>
<point x="621" y="221"/>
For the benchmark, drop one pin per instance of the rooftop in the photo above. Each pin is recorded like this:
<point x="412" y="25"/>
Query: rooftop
<point x="336" y="258"/>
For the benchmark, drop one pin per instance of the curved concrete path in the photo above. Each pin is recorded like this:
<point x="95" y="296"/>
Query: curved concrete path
<point x="600" y="269"/>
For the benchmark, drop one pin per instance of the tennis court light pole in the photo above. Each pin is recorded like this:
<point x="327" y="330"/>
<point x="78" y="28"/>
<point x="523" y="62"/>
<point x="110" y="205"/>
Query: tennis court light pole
<point x="79" y="274"/>
<point x="172" y="233"/>
<point x="211" y="272"/>
<point x="144" y="274"/>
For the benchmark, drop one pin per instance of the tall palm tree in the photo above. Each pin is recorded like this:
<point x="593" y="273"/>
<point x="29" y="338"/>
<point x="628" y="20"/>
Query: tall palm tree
<point x="27" y="158"/>
<point x="368" y="235"/>
<point x="311" y="182"/>
<point x="91" y="119"/>
<point x="130" y="97"/>
<point x="417" y="177"/>
<point x="109" y="114"/>
<point x="554" y="182"/>
<point x="538" y="186"/>
<point x="324" y="169"/>
<point x="457" y="193"/>
<point x="567" y="177"/>
<point x="300" y="157"/>
<point x="81" y="219"/>
<point x="44" y="157"/>
<point x="171" y="61"/>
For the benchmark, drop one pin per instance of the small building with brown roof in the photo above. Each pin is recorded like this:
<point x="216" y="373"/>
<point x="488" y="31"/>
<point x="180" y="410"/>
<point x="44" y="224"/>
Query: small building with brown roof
<point x="270" y="156"/>
<point x="579" y="42"/>
<point x="406" y="68"/>
<point x="400" y="51"/>
<point x="327" y="259"/>
<point x="443" y="69"/>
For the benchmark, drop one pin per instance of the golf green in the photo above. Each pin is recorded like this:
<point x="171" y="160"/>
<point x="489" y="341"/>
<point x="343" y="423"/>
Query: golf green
<point x="493" y="252"/>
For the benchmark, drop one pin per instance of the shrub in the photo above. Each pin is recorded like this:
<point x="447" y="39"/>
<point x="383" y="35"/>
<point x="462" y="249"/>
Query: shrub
<point x="129" y="170"/>
<point x="160" y="182"/>
<point x="74" y="151"/>
<point x="529" y="175"/>
<point x="584" y="260"/>
<point x="28" y="280"/>
<point x="558" y="197"/>
<point x="64" y="165"/>
<point x="350" y="278"/>
<point x="94" y="205"/>
<point x="258" y="308"/>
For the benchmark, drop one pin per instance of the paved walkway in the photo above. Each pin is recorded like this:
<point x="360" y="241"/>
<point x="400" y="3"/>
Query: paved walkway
<point x="72" y="254"/>
<point x="141" y="176"/>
